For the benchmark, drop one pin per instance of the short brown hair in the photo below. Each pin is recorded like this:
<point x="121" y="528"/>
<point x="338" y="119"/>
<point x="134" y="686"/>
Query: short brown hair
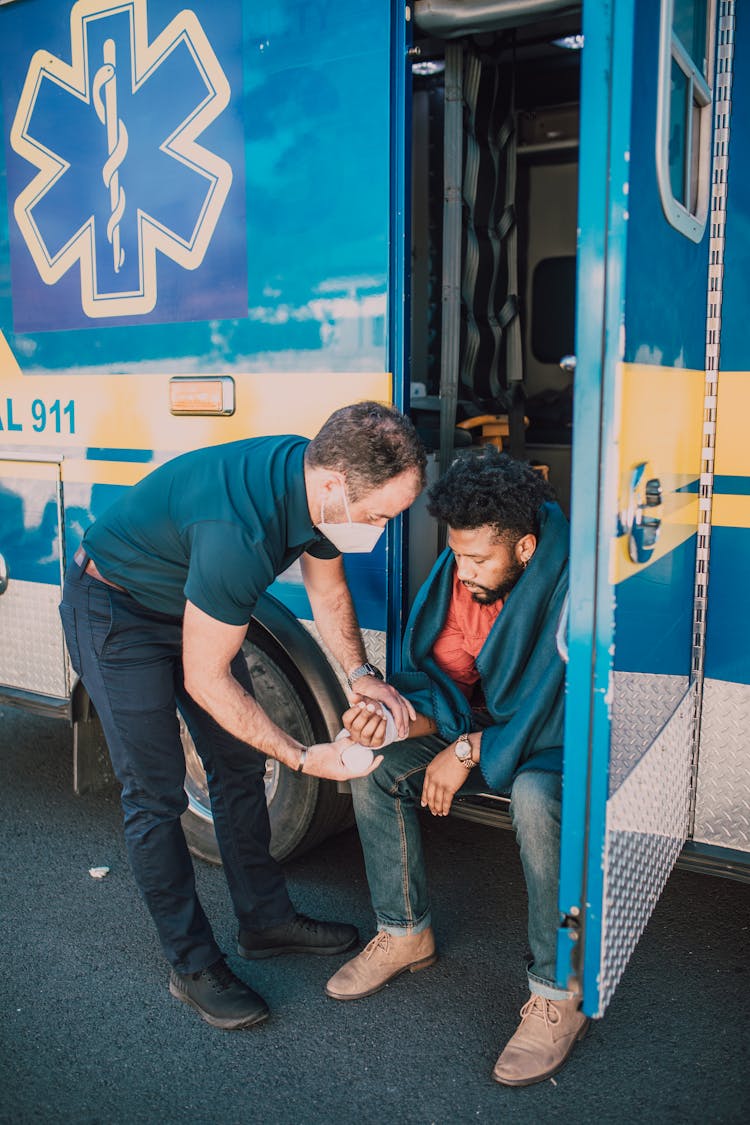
<point x="370" y="443"/>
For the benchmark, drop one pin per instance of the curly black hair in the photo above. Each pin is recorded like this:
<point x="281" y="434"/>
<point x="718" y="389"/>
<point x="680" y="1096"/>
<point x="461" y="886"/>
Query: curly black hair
<point x="490" y="489"/>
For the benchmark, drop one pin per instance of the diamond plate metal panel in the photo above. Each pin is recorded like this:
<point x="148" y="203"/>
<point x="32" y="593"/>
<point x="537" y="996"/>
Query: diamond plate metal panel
<point x="722" y="806"/>
<point x="641" y="704"/>
<point x="647" y="822"/>
<point x="32" y="653"/>
<point x="375" y="647"/>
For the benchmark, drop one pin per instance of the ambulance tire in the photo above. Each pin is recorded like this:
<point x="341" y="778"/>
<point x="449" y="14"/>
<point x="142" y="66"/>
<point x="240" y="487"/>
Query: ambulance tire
<point x="303" y="810"/>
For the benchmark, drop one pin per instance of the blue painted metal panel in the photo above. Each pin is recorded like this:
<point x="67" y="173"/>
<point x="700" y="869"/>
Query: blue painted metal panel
<point x="143" y="456"/>
<point x="654" y="616"/>
<point x="366" y="576"/>
<point x="296" y="274"/>
<point x="30" y="529"/>
<point x="118" y="110"/>
<point x="735" y="352"/>
<point x="669" y="272"/>
<point x="306" y="134"/>
<point x="728" y="615"/>
<point x="317" y="103"/>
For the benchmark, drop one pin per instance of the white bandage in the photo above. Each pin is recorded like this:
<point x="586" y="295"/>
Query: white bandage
<point x="356" y="758"/>
<point x="391" y="732"/>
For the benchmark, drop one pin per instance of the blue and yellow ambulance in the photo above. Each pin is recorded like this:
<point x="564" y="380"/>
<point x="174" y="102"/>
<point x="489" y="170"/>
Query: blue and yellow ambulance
<point x="524" y="221"/>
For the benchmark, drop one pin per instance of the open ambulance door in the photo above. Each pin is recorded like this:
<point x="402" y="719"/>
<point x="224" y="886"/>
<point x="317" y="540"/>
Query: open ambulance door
<point x="640" y="392"/>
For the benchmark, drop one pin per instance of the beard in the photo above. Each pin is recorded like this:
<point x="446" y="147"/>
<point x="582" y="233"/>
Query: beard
<point x="488" y="595"/>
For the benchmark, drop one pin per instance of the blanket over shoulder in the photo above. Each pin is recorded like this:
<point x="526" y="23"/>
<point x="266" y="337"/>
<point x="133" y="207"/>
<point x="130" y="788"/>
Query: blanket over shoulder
<point x="523" y="676"/>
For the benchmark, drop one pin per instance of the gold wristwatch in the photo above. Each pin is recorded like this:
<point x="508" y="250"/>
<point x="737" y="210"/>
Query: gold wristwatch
<point x="462" y="750"/>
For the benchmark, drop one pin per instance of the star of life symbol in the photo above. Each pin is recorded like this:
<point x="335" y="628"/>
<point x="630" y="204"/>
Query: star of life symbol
<point x="101" y="82"/>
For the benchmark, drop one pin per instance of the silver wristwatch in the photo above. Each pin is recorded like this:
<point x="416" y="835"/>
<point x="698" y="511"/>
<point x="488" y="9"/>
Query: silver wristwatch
<point x="364" y="670"/>
<point x="462" y="750"/>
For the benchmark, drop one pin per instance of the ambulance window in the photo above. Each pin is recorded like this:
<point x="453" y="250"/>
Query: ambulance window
<point x="683" y="130"/>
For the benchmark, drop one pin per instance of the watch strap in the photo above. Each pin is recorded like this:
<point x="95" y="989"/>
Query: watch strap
<point x="365" y="669"/>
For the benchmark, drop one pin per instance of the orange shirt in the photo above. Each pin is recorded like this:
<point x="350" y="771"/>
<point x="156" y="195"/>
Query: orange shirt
<point x="467" y="626"/>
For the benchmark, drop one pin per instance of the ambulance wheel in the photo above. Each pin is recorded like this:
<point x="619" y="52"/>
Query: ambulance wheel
<point x="303" y="810"/>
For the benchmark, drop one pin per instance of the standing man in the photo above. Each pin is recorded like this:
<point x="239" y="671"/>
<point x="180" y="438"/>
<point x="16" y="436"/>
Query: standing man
<point x="483" y="673"/>
<point x="155" y="608"/>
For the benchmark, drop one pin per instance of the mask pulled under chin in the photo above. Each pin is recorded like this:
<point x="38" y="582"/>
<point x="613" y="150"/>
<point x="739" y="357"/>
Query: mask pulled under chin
<point x="350" y="538"/>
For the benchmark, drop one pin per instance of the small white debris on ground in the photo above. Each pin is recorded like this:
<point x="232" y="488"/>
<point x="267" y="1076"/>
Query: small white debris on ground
<point x="98" y="872"/>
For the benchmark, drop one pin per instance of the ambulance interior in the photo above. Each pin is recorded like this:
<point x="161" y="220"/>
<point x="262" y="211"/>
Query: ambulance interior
<point x="495" y="129"/>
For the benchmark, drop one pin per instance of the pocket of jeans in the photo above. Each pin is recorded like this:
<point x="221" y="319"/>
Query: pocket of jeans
<point x="68" y="618"/>
<point x="100" y="617"/>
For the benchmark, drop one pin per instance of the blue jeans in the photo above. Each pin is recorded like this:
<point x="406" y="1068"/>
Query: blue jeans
<point x="386" y="805"/>
<point x="129" y="658"/>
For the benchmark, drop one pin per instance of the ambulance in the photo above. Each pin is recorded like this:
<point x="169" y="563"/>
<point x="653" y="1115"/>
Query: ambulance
<point x="525" y="222"/>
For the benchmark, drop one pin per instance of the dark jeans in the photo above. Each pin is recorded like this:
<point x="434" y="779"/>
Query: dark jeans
<point x="130" y="661"/>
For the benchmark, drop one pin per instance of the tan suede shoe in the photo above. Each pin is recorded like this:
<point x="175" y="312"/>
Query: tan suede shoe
<point x="548" y="1032"/>
<point x="383" y="959"/>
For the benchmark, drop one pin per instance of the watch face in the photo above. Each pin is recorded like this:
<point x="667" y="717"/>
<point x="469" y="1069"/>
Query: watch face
<point x="463" y="749"/>
<point x="365" y="670"/>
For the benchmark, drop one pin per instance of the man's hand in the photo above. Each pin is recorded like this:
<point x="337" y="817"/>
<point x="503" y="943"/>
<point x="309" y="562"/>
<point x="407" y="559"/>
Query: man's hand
<point x="324" y="760"/>
<point x="370" y="687"/>
<point x="442" y="780"/>
<point x="365" y="723"/>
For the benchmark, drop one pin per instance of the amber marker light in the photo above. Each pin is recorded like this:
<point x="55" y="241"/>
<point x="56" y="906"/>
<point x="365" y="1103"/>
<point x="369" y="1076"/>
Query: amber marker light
<point x="208" y="395"/>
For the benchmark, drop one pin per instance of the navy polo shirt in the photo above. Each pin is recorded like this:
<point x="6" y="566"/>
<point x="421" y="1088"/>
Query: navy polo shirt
<point x="216" y="526"/>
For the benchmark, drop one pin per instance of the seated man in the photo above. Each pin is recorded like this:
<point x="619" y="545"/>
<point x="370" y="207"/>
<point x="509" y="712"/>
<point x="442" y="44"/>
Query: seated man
<point x="482" y="670"/>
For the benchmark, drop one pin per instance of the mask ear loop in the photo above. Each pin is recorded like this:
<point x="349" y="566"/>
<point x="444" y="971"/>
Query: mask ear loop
<point x="346" y="505"/>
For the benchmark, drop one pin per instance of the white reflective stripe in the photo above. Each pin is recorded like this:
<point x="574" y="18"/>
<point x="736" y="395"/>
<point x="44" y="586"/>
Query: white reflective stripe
<point x="561" y="636"/>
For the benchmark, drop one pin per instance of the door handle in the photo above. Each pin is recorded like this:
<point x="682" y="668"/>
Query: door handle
<point x="568" y="364"/>
<point x="638" y="520"/>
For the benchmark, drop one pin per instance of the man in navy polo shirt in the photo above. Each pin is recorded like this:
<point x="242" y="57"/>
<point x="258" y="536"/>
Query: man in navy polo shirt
<point x="155" y="608"/>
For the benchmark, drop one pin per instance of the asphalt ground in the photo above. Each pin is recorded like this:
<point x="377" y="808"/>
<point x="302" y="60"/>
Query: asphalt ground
<point x="89" y="1033"/>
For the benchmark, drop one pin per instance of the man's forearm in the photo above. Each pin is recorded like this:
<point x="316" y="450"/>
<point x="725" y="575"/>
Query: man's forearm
<point x="336" y="620"/>
<point x="239" y="713"/>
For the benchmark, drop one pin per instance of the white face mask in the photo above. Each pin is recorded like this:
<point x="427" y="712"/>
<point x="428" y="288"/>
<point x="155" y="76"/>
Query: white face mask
<point x="351" y="538"/>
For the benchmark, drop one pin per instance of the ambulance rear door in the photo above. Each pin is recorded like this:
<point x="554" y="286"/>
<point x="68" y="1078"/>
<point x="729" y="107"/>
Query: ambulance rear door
<point x="643" y="345"/>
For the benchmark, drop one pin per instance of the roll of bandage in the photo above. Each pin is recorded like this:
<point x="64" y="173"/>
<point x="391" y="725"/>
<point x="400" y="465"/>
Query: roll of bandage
<point x="357" y="758"/>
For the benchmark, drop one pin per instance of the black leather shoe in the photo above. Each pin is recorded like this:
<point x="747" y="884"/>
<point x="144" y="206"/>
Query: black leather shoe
<point x="220" y="998"/>
<point x="299" y="935"/>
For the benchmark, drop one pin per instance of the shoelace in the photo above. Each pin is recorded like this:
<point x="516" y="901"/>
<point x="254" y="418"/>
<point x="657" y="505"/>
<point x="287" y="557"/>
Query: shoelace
<point x="542" y="1008"/>
<point x="221" y="976"/>
<point x="380" y="941"/>
<point x="305" y="923"/>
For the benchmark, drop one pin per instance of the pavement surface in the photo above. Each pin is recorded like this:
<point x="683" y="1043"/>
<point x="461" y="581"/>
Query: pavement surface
<point x="89" y="1033"/>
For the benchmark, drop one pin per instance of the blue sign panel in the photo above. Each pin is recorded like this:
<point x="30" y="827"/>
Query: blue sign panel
<point x="125" y="163"/>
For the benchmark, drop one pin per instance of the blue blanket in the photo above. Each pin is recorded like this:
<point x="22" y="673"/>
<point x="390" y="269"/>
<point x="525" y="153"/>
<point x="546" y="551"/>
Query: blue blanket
<point x="523" y="677"/>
